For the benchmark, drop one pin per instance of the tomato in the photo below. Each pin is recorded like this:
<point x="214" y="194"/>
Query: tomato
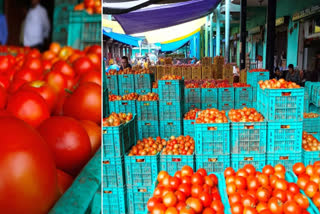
<point x="316" y="163"/>
<point x="196" y="178"/>
<point x="202" y="172"/>
<point x="298" y="168"/>
<point x="55" y="47"/>
<point x="166" y="181"/>
<point x="56" y="80"/>
<point x="281" y="184"/>
<point x="230" y="179"/>
<point x="186" y="180"/>
<point x="69" y="142"/>
<point x="315" y="200"/>
<point x="229" y="171"/>
<point x="280" y="194"/>
<point x="249" y="168"/>
<point x="27" y="74"/>
<point x="263" y="194"/>
<point x="169" y="199"/>
<point x="208" y="210"/>
<point x="64" y="181"/>
<point x="234" y="198"/>
<point x="159" y="209"/>
<point x="301" y="200"/>
<point x="268" y="170"/>
<point x="217" y="206"/>
<point x="3" y="97"/>
<point x="261" y="206"/>
<point x="91" y="76"/>
<point x="95" y="60"/>
<point x="94" y="133"/>
<point x="64" y="68"/>
<point x="280" y="175"/>
<point x="28" y="172"/>
<point x="263" y="179"/>
<point x="309" y="170"/>
<point x="240" y="182"/>
<point x="242" y="173"/>
<point x="248" y="201"/>
<point x="267" y="211"/>
<point x="231" y="188"/>
<point x="186" y="171"/>
<point x="290" y="196"/>
<point x="185" y="188"/>
<point x="187" y="210"/>
<point x="279" y="168"/>
<point x="33" y="64"/>
<point x="96" y="49"/>
<point x="215" y="195"/>
<point x="237" y="208"/>
<point x="302" y="181"/>
<point x="253" y="183"/>
<point x="311" y="188"/>
<point x="180" y="195"/>
<point x="157" y="193"/>
<point x="88" y="3"/>
<point x="171" y="210"/>
<point x="4" y="81"/>
<point x="196" y="189"/>
<point x="177" y="174"/>
<point x="84" y="103"/>
<point x="208" y="181"/>
<point x="83" y="65"/>
<point x="291" y="207"/>
<point x="151" y="203"/>
<point x="205" y="198"/>
<point x="275" y="206"/>
<point x="180" y="205"/>
<point x="250" y="210"/>
<point x="4" y="64"/>
<point x="214" y="179"/>
<point x="292" y="187"/>
<point x="28" y="106"/>
<point x="195" y="204"/>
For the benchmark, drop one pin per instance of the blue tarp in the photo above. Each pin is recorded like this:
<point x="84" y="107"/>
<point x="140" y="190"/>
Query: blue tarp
<point x="123" y="38"/>
<point x="3" y="30"/>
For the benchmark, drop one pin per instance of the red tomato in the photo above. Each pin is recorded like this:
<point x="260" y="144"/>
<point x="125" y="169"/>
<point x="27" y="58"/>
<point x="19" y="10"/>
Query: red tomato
<point x="159" y="209"/>
<point x="171" y="210"/>
<point x="202" y="172"/>
<point x="169" y="199"/>
<point x="231" y="188"/>
<point x="229" y="171"/>
<point x="298" y="168"/>
<point x="83" y="65"/>
<point x="292" y="187"/>
<point x="302" y="200"/>
<point x="280" y="194"/>
<point x="196" y="178"/>
<point x="69" y="142"/>
<point x="28" y="106"/>
<point x="279" y="168"/>
<point x="177" y="174"/>
<point x="91" y="76"/>
<point x="28" y="172"/>
<point x="217" y="206"/>
<point x="88" y="3"/>
<point x="311" y="188"/>
<point x="208" y="210"/>
<point x="151" y="203"/>
<point x="185" y="188"/>
<point x="161" y="176"/>
<point x="205" y="198"/>
<point x="186" y="171"/>
<point x="180" y="205"/>
<point x="291" y="207"/>
<point x="4" y="64"/>
<point x="195" y="204"/>
<point x="47" y="65"/>
<point x="15" y="85"/>
<point x="242" y="173"/>
<point x="214" y="179"/>
<point x="33" y="64"/>
<point x="249" y="168"/>
<point x="187" y="210"/>
<point x="302" y="181"/>
<point x="96" y="49"/>
<point x="196" y="189"/>
<point x="3" y="97"/>
<point x="237" y="208"/>
<point x="84" y="103"/>
<point x="94" y="133"/>
<point x="275" y="206"/>
<point x="250" y="210"/>
<point x="96" y="61"/>
<point x="186" y="180"/>
<point x="263" y="194"/>
<point x="240" y="182"/>
<point x="64" y="181"/>
<point x="268" y="170"/>
<point x="248" y="201"/>
<point x="261" y="206"/>
<point x="281" y="184"/>
<point x="4" y="81"/>
<point x="234" y="198"/>
<point x="64" y="68"/>
<point x="315" y="200"/>
<point x="252" y="183"/>
<point x="180" y="195"/>
<point x="57" y="81"/>
<point x="27" y="75"/>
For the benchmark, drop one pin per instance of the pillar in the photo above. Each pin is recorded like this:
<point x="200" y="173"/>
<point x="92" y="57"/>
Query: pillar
<point x="121" y="52"/>
<point x="271" y="27"/>
<point x="211" y="35"/>
<point x="243" y="32"/>
<point x="206" y="37"/>
<point x="218" y="31"/>
<point x="227" y="31"/>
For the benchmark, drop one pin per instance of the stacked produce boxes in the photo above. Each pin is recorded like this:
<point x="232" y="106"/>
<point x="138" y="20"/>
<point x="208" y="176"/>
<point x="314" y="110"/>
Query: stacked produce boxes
<point x="143" y="83"/>
<point x="148" y="118"/>
<point x="192" y="96"/>
<point x="226" y="98"/>
<point x="242" y="95"/>
<point x="253" y="77"/>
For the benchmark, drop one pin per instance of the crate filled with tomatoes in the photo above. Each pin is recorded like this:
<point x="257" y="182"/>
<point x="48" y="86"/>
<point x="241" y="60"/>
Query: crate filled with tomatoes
<point x="310" y="148"/>
<point x="311" y="122"/>
<point x="242" y="95"/>
<point x="189" y="121"/>
<point x="209" y="95"/>
<point x="171" y="88"/>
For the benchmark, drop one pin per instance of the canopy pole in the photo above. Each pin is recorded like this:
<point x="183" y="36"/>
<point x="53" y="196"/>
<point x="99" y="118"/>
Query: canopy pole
<point x="218" y="31"/>
<point x="194" y="46"/>
<point x="271" y="27"/>
<point x="243" y="32"/>
<point x="227" y="30"/>
<point x="206" y="37"/>
<point x="211" y="35"/>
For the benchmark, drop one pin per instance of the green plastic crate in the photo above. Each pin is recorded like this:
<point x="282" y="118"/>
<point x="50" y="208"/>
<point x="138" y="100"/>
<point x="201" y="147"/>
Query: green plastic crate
<point x="114" y="200"/>
<point x="126" y="84"/>
<point x="287" y="159"/>
<point x="209" y="98"/>
<point x="138" y="198"/>
<point x="316" y="96"/>
<point x="148" y="129"/>
<point x="190" y="106"/>
<point x="170" y="110"/>
<point x="147" y="110"/>
<point x="212" y="163"/>
<point x="173" y="163"/>
<point x="112" y="84"/>
<point x="143" y="81"/>
<point x="238" y="161"/>
<point x="192" y="95"/>
<point x="311" y="125"/>
<point x="60" y="34"/>
<point x="70" y="2"/>
<point x="113" y="172"/>
<point x="105" y="103"/>
<point x="189" y="128"/>
<point x="171" y="90"/>
<point x="170" y="128"/>
<point x="61" y="14"/>
<point x="254" y="77"/>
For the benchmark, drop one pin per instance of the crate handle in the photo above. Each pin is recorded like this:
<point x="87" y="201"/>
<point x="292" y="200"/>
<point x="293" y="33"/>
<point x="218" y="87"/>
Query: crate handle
<point x="284" y="158"/>
<point x="192" y="122"/>
<point x="286" y="94"/>
<point x="212" y="159"/>
<point x="146" y="104"/>
<point x="140" y="160"/>
<point x="142" y="190"/>
<point x="147" y="124"/>
<point x="210" y="105"/>
<point x="244" y="89"/>
<point x="124" y="103"/>
<point x="226" y="104"/>
<point x="169" y="103"/>
<point x="106" y="162"/>
<point x="249" y="127"/>
<point x="226" y="89"/>
<point x="176" y="159"/>
<point x="168" y="83"/>
<point x="192" y="90"/>
<point x="108" y="77"/>
<point x="212" y="128"/>
<point x="141" y="76"/>
<point x="125" y="76"/>
<point x="107" y="192"/>
<point x="170" y="124"/>
<point x="261" y="74"/>
<point x="285" y="126"/>
<point x="105" y="132"/>
<point x="248" y="159"/>
<point x="192" y="106"/>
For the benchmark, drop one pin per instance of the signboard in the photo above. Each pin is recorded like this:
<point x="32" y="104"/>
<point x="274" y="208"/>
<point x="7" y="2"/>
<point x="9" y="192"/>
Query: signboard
<point x="305" y="13"/>
<point x="279" y="21"/>
<point x="255" y="30"/>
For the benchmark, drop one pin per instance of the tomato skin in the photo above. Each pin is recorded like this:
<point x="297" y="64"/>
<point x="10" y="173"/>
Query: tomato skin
<point x="185" y="188"/>
<point x="298" y="168"/>
<point x="69" y="142"/>
<point x="27" y="75"/>
<point x="186" y="171"/>
<point x="234" y="198"/>
<point x="217" y="206"/>
<point x="84" y="103"/>
<point x="302" y="200"/>
<point x="159" y="209"/>
<point x="187" y="210"/>
<point x="275" y="206"/>
<point x="96" y="49"/>
<point x="196" y="189"/>
<point x="268" y="170"/>
<point x="292" y="187"/>
<point x="249" y="168"/>
<point x="310" y="189"/>
<point x="248" y="201"/>
<point x="151" y="203"/>
<point x="252" y="183"/>
<point x="3" y="97"/>
<point x="202" y="172"/>
<point x="229" y="171"/>
<point x="240" y="182"/>
<point x="291" y="207"/>
<point x="34" y="64"/>
<point x="91" y="76"/>
<point x="64" y="181"/>
<point x="263" y="194"/>
<point x="250" y="210"/>
<point x="237" y="208"/>
<point x="205" y="198"/>
<point x="27" y="152"/>
<point x="83" y="65"/>
<point x="196" y="178"/>
<point x="57" y="81"/>
<point x="64" y="68"/>
<point x="161" y="176"/>
<point x="94" y="133"/>
<point x="169" y="199"/>
<point x="171" y="210"/>
<point x="195" y="204"/>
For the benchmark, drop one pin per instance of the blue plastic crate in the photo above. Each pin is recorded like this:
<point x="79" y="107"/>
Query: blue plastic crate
<point x="243" y="104"/>
<point x="284" y="137"/>
<point x="105" y="103"/>
<point x="113" y="172"/>
<point x="254" y="77"/>
<point x="226" y="106"/>
<point x="311" y="124"/>
<point x="173" y="163"/>
<point x="61" y="14"/>
<point x="281" y="104"/>
<point x="212" y="139"/>
<point x="171" y="90"/>
<point x="209" y="95"/>
<point x="114" y="200"/>
<point x="287" y="159"/>
<point x="309" y="87"/>
<point x="148" y="129"/>
<point x="143" y="81"/>
<point x="126" y="84"/>
<point x="170" y="110"/>
<point x="138" y="198"/>
<point x="213" y="163"/>
<point x="306" y="104"/>
<point x="133" y="130"/>
<point x="60" y="34"/>
<point x="192" y="95"/>
<point x="254" y="94"/>
<point x="189" y="128"/>
<point x="155" y="90"/>
<point x="170" y="128"/>
<point x="143" y="91"/>
<point x="316" y="96"/>
<point x="249" y="138"/>
<point x="190" y="106"/>
<point x="313" y="108"/>
<point x="238" y="161"/>
<point x="242" y="96"/>
<point x="113" y="107"/>
<point x="126" y="106"/>
<point x="225" y="95"/>
<point x="70" y="2"/>
<point x="147" y="110"/>
<point x="141" y="170"/>
<point x="112" y="84"/>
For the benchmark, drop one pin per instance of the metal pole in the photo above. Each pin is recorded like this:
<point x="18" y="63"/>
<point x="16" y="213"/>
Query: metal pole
<point x="218" y="31"/>
<point x="227" y="30"/>
<point x="206" y="37"/>
<point x="243" y="22"/>
<point x="195" y="47"/>
<point x="211" y="35"/>
<point x="271" y="26"/>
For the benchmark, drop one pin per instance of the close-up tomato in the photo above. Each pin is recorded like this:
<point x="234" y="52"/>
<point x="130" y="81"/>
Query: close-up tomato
<point x="64" y="181"/>
<point x="195" y="204"/>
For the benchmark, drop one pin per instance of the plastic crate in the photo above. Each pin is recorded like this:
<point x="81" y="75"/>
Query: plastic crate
<point x="242" y="96"/>
<point x="238" y="161"/>
<point x="306" y="104"/>
<point x="61" y="14"/>
<point x="170" y="110"/>
<point x="192" y="95"/>
<point x="254" y="77"/>
<point x="316" y="96"/>
<point x="209" y="105"/>
<point x="143" y="91"/>
<point x="209" y="96"/>
<point x="311" y="124"/>
<point x="249" y="138"/>
<point x="70" y="2"/>
<point x="212" y="139"/>
<point x="284" y="137"/>
<point x="243" y="104"/>
<point x="313" y="108"/>
<point x="309" y="87"/>
<point x="189" y="128"/>
<point x="143" y="81"/>
<point x="226" y="95"/>
<point x="189" y="106"/>
<point x="113" y="172"/>
<point x="254" y="94"/>
<point x="173" y="163"/>
<point x="133" y="129"/>
<point x="112" y="84"/>
<point x="147" y="110"/>
<point x="148" y="129"/>
<point x="170" y="128"/>
<point x="287" y="159"/>
<point x="105" y="103"/>
<point x="226" y="106"/>
<point x="213" y="163"/>
<point x="170" y="90"/>
<point x="138" y="198"/>
<point x="281" y="104"/>
<point x="114" y="200"/>
<point x="141" y="170"/>
<point x="126" y="84"/>
<point x="155" y="90"/>
<point x="84" y="29"/>
<point x="126" y="106"/>
<point x="309" y="157"/>
<point x="60" y="34"/>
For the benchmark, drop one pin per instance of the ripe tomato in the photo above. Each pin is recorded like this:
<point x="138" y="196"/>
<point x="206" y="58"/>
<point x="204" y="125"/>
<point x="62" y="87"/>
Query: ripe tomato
<point x="69" y="142"/>
<point x="279" y="168"/>
<point x="292" y="187"/>
<point x="310" y="189"/>
<point x="159" y="209"/>
<point x="208" y="210"/>
<point x="88" y="3"/>
<point x="177" y="174"/>
<point x="96" y="60"/>
<point x="96" y="49"/>
<point x="240" y="182"/>
<point x="298" y="168"/>
<point x="94" y="133"/>
<point x="249" y="168"/>
<point x="171" y="210"/>
<point x="196" y="189"/>
<point x="202" y="172"/>
<point x="290" y="196"/>
<point x="195" y="204"/>
<point x="252" y="183"/>
<point x="214" y="179"/>
<point x="166" y="181"/>
<point x="205" y="198"/>
<point x="231" y="188"/>
<point x="196" y="178"/>
<point x="228" y="172"/>
<point x="263" y="194"/>
<point x="180" y="205"/>
<point x="263" y="179"/>
<point x="83" y="65"/>
<point x="261" y="206"/>
<point x="151" y="203"/>
<point x="230" y="179"/>
<point x="180" y="195"/>
<point x="91" y="76"/>
<point x="302" y="181"/>
<point x="237" y="208"/>
<point x="169" y="199"/>
<point x="24" y="159"/>
<point x="186" y="171"/>
<point x="185" y="188"/>
<point x="242" y="173"/>
<point x="281" y="184"/>
<point x="302" y="200"/>
<point x="55" y="47"/>
<point x="315" y="199"/>
<point x="5" y="64"/>
<point x="280" y="194"/>
<point x="157" y="193"/>
<point x="208" y="181"/>
<point x="291" y="207"/>
<point x="275" y="205"/>
<point x="27" y="74"/>
<point x="57" y="81"/>
<point x="217" y="206"/>
<point x="234" y="198"/>
<point x="33" y="64"/>
<point x="187" y="210"/>
<point x="28" y="106"/>
<point x="186" y="180"/>
<point x="268" y="170"/>
<point x="3" y="97"/>
<point x="84" y="103"/>
<point x="250" y="210"/>
<point x="64" y="181"/>
<point x="64" y="68"/>
<point x="267" y="211"/>
<point x="248" y="201"/>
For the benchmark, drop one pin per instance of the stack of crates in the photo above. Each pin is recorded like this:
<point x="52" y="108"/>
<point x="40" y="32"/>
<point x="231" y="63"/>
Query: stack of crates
<point x="170" y="107"/>
<point x="242" y="97"/>
<point x="226" y="98"/>
<point x="148" y="119"/>
<point x="306" y="101"/>
<point x="116" y="142"/>
<point x="126" y="84"/>
<point x="143" y="83"/>
<point x="111" y="82"/>
<point x="283" y="109"/>
<point x="316" y="95"/>
<point x="309" y="157"/>
<point x="192" y="99"/>
<point x="253" y="77"/>
<point x="105" y="103"/>
<point x="312" y="125"/>
<point x="209" y="98"/>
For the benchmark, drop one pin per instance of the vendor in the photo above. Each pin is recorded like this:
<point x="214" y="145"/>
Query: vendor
<point x="125" y="63"/>
<point x="278" y="74"/>
<point x="293" y="75"/>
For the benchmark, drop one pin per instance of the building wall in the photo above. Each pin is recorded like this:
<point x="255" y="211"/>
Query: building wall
<point x="293" y="43"/>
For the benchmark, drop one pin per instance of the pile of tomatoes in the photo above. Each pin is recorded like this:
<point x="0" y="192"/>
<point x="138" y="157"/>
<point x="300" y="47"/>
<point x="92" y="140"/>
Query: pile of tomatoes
<point x="113" y="97"/>
<point x="310" y="143"/>
<point x="112" y="72"/>
<point x="126" y="71"/>
<point x="131" y="96"/>
<point x="148" y="146"/>
<point x="143" y="71"/>
<point x="245" y="115"/>
<point x="187" y="192"/>
<point x="182" y="145"/>
<point x="252" y="192"/>
<point x="171" y="77"/>
<point x="192" y="84"/>
<point x="50" y="117"/>
<point x="223" y="85"/>
<point x="277" y="84"/>
<point x="191" y="115"/>
<point x="149" y="97"/>
<point x="258" y="70"/>
<point x="310" y="115"/>
<point x="309" y="180"/>
<point x="208" y="84"/>
<point x="241" y="85"/>
<point x="155" y="84"/>
<point x="212" y="116"/>
<point x="91" y="6"/>
<point x="115" y="119"/>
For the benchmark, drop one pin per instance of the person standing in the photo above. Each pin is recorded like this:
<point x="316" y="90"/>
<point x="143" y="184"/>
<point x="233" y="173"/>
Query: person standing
<point x="125" y="63"/>
<point x="37" y="26"/>
<point x="293" y="75"/>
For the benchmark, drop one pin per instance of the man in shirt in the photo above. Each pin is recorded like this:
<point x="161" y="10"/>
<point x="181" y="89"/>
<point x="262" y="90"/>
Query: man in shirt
<point x="125" y="63"/>
<point x="37" y="26"/>
<point x="293" y="75"/>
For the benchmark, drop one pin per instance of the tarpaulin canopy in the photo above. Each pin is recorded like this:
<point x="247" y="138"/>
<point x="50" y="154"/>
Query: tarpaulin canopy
<point x="125" y="6"/>
<point x="148" y="19"/>
<point x="126" y="39"/>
